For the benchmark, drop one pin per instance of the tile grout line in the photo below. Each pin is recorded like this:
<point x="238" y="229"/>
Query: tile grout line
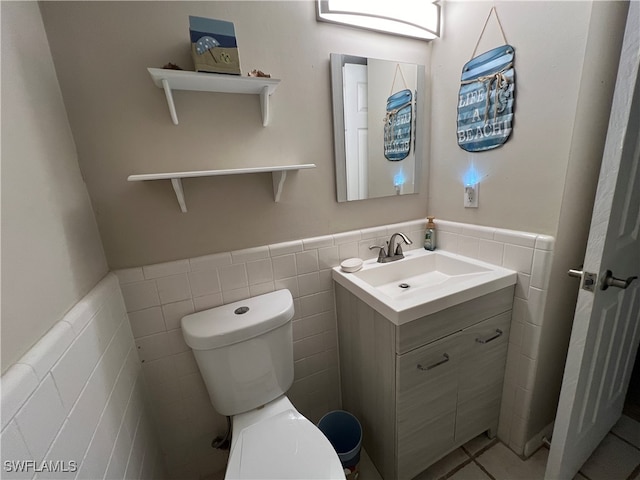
<point x="483" y="469"/>
<point x="634" y="473"/>
<point x="491" y="444"/>
<point x="473" y="459"/>
<point x="624" y="439"/>
<point x="457" y="468"/>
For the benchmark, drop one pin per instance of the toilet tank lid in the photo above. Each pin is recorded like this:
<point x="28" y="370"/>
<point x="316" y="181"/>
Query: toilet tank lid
<point x="238" y="321"/>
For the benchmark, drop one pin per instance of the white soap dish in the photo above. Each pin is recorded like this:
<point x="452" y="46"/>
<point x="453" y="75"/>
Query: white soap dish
<point x="351" y="265"/>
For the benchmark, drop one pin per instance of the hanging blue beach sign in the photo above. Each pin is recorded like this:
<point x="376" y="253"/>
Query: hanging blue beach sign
<point x="486" y="98"/>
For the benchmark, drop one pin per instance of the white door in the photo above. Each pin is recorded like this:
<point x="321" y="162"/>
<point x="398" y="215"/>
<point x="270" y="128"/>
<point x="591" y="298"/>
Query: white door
<point x="356" y="129"/>
<point x="606" y="326"/>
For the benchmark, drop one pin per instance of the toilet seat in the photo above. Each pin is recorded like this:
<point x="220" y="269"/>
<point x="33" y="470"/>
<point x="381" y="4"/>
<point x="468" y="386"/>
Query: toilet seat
<point x="280" y="443"/>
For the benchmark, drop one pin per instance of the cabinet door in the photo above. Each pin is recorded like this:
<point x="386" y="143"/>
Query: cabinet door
<point x="427" y="381"/>
<point x="482" y="366"/>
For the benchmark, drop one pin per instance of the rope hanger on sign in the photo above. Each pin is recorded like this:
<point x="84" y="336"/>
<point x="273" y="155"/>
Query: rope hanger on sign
<point x="486" y="22"/>
<point x="395" y="74"/>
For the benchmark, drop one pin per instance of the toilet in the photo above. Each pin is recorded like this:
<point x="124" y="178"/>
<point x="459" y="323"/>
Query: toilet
<point x="244" y="351"/>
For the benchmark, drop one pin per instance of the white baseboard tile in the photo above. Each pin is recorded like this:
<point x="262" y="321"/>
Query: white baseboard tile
<point x="538" y="440"/>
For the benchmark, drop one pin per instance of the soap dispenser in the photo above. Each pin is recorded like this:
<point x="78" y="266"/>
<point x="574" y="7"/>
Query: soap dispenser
<point x="430" y="235"/>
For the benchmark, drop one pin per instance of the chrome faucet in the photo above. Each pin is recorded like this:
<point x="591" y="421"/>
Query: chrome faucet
<point x="392" y="253"/>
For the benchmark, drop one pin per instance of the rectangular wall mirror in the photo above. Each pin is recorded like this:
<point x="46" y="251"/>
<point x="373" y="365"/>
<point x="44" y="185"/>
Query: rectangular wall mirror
<point x="378" y="127"/>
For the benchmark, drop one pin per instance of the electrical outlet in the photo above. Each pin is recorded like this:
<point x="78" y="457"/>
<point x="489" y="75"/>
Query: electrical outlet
<point x="471" y="196"/>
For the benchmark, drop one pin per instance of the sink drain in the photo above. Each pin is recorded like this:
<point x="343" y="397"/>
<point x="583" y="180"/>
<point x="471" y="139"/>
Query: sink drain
<point x="404" y="285"/>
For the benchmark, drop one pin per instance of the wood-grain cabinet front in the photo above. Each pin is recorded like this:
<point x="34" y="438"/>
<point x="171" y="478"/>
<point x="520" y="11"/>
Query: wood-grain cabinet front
<point x="418" y="403"/>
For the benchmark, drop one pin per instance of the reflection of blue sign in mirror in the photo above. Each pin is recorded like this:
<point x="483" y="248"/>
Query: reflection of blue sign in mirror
<point x="378" y="151"/>
<point x="398" y="125"/>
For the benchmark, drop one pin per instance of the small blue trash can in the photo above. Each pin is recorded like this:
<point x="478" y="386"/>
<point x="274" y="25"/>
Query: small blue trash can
<point x="345" y="434"/>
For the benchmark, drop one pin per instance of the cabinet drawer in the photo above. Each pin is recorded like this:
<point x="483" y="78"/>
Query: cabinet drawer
<point x="453" y="319"/>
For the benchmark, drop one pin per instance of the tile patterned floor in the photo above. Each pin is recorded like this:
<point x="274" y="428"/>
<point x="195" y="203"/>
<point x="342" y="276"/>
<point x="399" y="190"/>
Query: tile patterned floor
<point x="617" y="458"/>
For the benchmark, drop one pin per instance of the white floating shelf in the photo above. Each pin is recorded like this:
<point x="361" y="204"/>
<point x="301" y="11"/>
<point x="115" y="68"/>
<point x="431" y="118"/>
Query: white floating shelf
<point x="213" y="82"/>
<point x="279" y="175"/>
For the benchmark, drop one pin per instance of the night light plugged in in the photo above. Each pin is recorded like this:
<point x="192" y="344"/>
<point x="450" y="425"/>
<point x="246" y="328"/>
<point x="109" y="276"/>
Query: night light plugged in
<point x="471" y="180"/>
<point x="471" y="176"/>
<point x="398" y="182"/>
<point x="471" y="196"/>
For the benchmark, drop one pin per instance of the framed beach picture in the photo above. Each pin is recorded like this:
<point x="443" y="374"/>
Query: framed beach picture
<point x="213" y="46"/>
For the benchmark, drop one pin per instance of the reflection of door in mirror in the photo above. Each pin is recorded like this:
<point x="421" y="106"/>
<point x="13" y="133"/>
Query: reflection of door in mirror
<point x="356" y="130"/>
<point x="361" y="89"/>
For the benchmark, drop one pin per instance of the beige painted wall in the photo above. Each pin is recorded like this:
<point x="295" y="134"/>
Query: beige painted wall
<point x="51" y="250"/>
<point x="121" y="126"/>
<point x="524" y="179"/>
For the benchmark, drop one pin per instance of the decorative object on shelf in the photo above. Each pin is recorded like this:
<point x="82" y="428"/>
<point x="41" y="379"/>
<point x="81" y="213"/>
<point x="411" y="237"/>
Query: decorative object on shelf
<point x="170" y="80"/>
<point x="213" y="46"/>
<point x="258" y="73"/>
<point x="398" y="121"/>
<point x="486" y="98"/>
<point x="171" y="66"/>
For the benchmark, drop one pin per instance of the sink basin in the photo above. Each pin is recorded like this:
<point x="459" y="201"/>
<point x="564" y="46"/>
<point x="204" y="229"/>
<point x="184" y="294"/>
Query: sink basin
<point x="423" y="283"/>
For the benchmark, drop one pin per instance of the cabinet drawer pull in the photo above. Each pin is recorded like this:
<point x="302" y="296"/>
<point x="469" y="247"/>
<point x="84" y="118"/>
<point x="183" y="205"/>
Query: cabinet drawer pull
<point x="429" y="367"/>
<point x="493" y="337"/>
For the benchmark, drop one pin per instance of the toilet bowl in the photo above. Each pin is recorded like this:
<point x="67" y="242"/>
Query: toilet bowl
<point x="244" y="351"/>
<point x="277" y="442"/>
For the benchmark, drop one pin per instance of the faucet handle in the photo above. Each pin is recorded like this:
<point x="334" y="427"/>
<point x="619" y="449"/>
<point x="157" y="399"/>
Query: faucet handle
<point x="381" y="254"/>
<point x="403" y="238"/>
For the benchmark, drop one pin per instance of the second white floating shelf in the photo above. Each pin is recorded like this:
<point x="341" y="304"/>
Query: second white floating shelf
<point x="278" y="173"/>
<point x="213" y="82"/>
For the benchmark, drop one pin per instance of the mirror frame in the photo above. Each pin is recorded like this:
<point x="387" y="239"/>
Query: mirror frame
<point x="338" y="61"/>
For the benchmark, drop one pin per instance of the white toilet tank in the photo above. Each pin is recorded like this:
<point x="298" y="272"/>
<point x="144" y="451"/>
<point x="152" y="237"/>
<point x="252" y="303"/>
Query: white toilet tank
<point x="244" y="350"/>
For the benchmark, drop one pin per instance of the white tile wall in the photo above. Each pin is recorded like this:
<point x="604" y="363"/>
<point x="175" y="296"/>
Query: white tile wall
<point x="530" y="255"/>
<point x="183" y="412"/>
<point x="186" y="420"/>
<point x="77" y="396"/>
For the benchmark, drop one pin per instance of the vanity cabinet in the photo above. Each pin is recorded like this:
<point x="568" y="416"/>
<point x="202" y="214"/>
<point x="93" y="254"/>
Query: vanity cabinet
<point x="426" y="387"/>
